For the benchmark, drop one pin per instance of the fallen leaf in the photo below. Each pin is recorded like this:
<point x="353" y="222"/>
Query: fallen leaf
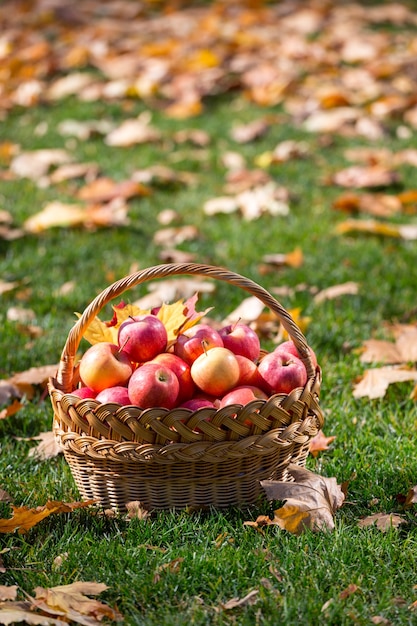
<point x="373" y="227"/>
<point x="15" y="612"/>
<point x="24" y="518"/>
<point x="411" y="497"/>
<point x="350" y="589"/>
<point x="105" y="189"/>
<point x="72" y="601"/>
<point x="4" y="496"/>
<point x="402" y="350"/>
<point x="175" y="235"/>
<point x="133" y="131"/>
<point x="36" y="163"/>
<point x="366" y="176"/>
<point x="295" y="258"/>
<point x="11" y="409"/>
<point x="58" y="214"/>
<point x="311" y="501"/>
<point x="375" y="381"/>
<point x="172" y="567"/>
<point x="135" y="510"/>
<point x="383" y="521"/>
<point x="335" y="291"/>
<point x="245" y="133"/>
<point x="8" y="392"/>
<point x="8" y="592"/>
<point x="28" y="380"/>
<point x="48" y="447"/>
<point x="248" y="600"/>
<point x="319" y="443"/>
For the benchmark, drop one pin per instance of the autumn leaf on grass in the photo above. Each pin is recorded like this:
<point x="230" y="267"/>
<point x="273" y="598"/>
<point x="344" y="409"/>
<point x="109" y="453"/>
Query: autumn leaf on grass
<point x="11" y="409"/>
<point x="58" y="214"/>
<point x="248" y="600"/>
<point x="311" y="501"/>
<point x="319" y="443"/>
<point x="366" y="176"/>
<point x="72" y="602"/>
<point x="382" y="521"/>
<point x="374" y="227"/>
<point x="402" y="350"/>
<point x="28" y="380"/>
<point x="47" y="447"/>
<point x="105" y="189"/>
<point x="24" y="518"/>
<point x="335" y="291"/>
<point x="375" y="381"/>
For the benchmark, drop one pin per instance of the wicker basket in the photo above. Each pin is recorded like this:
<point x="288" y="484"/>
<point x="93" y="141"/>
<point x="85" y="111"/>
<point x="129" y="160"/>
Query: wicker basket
<point x="177" y="458"/>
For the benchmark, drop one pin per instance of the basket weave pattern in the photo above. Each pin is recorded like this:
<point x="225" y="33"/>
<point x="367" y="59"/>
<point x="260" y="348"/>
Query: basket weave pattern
<point x="176" y="458"/>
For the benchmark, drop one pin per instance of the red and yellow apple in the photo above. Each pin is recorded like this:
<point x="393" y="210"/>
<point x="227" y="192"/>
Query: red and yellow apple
<point x="142" y="337"/>
<point x="182" y="371"/>
<point x="84" y="393"/>
<point x="282" y="371"/>
<point x="241" y="339"/>
<point x="153" y="385"/>
<point x="215" y="371"/>
<point x="289" y="346"/>
<point x="117" y="394"/>
<point x="195" y="341"/>
<point x="242" y="395"/>
<point x="104" y="365"/>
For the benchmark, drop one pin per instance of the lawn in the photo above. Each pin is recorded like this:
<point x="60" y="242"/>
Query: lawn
<point x="335" y="90"/>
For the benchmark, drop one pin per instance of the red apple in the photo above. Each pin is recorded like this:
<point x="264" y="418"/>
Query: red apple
<point x="84" y="393"/>
<point x="197" y="403"/>
<point x="289" y="346"/>
<point x="104" y="365"/>
<point x="182" y="371"/>
<point x="116" y="394"/>
<point x="142" y="337"/>
<point x="196" y="340"/>
<point x="242" y="395"/>
<point x="153" y="385"/>
<point x="282" y="371"/>
<point x="241" y="339"/>
<point x="216" y="371"/>
<point x="249" y="373"/>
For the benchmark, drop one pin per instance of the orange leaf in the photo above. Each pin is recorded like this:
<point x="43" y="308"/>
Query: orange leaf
<point x="320" y="442"/>
<point x="24" y="518"/>
<point x="13" y="408"/>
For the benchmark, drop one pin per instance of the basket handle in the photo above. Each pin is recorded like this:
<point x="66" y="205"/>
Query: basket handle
<point x="66" y="365"/>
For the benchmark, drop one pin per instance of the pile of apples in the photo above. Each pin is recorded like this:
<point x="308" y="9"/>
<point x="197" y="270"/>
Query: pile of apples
<point x="203" y="367"/>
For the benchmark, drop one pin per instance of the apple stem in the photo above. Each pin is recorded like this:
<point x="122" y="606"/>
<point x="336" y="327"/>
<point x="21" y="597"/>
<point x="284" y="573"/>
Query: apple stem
<point x="204" y="345"/>
<point x="236" y="323"/>
<point x="124" y="343"/>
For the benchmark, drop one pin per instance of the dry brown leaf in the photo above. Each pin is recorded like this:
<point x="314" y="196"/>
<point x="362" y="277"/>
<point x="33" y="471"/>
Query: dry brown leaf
<point x="175" y="235"/>
<point x="411" y="497"/>
<point x="295" y="258"/>
<point x="248" y="600"/>
<point x="25" y="518"/>
<point x="172" y="567"/>
<point x="374" y="382"/>
<point x="373" y="227"/>
<point x="16" y="612"/>
<point x="402" y="350"/>
<point x="366" y="176"/>
<point x="376" y="204"/>
<point x="383" y="521"/>
<point x="105" y="189"/>
<point x="72" y="601"/>
<point x="311" y="501"/>
<point x="20" y="314"/>
<point x="320" y="442"/>
<point x="335" y="291"/>
<point x="4" y="496"/>
<point x="245" y="133"/>
<point x="28" y="380"/>
<point x="133" y="131"/>
<point x="36" y="163"/>
<point x="58" y="214"/>
<point x="11" y="409"/>
<point x="350" y="589"/>
<point x="135" y="510"/>
<point x="48" y="447"/>
<point x="8" y="392"/>
<point x="70" y="171"/>
<point x="8" y="592"/>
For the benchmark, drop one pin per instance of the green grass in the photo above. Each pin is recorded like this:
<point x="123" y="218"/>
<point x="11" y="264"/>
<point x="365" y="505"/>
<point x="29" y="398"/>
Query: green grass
<point x="299" y="579"/>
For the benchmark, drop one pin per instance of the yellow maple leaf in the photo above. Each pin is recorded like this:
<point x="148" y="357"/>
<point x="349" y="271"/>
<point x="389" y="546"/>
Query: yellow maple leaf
<point x="24" y="518"/>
